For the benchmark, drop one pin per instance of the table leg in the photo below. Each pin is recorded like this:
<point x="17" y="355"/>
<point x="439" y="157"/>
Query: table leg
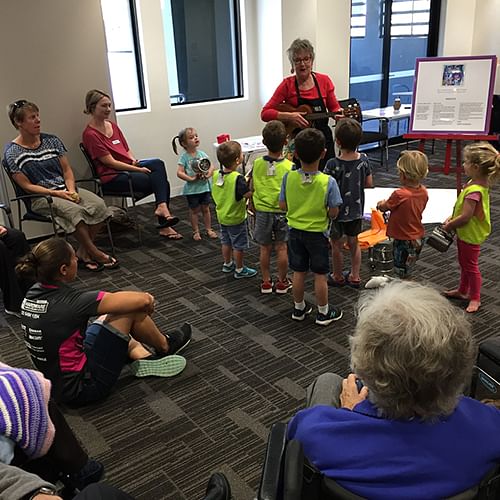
<point x="447" y="157"/>
<point x="459" y="165"/>
<point x="421" y="145"/>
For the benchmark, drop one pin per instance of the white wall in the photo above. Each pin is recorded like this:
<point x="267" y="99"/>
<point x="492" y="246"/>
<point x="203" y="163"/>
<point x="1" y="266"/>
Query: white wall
<point x="51" y="54"/>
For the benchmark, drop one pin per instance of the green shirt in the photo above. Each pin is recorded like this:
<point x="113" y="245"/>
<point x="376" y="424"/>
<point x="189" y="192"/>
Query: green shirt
<point x="229" y="211"/>
<point x="267" y="175"/>
<point x="306" y="202"/>
<point x="476" y="230"/>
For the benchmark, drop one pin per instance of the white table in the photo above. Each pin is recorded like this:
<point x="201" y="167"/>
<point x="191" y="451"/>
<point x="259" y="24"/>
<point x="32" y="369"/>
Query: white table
<point x="386" y="115"/>
<point x="251" y="146"/>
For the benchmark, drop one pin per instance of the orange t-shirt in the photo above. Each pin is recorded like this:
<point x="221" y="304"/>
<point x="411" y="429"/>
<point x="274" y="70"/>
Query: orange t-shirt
<point x="406" y="205"/>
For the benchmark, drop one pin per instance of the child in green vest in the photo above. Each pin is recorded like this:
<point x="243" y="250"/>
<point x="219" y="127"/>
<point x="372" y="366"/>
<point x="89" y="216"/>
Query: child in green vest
<point x="270" y="220"/>
<point x="310" y="199"/>
<point x="471" y="219"/>
<point x="230" y="192"/>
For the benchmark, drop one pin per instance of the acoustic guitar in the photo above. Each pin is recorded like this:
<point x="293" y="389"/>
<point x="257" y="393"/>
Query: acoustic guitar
<point x="311" y="116"/>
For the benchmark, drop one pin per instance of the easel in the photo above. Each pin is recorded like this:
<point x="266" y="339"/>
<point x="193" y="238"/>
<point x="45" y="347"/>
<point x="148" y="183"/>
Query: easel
<point x="449" y="138"/>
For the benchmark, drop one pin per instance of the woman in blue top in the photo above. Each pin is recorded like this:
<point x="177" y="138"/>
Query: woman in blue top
<point x="409" y="432"/>
<point x="39" y="165"/>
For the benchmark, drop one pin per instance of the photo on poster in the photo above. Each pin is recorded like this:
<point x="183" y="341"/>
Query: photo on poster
<point x="453" y="75"/>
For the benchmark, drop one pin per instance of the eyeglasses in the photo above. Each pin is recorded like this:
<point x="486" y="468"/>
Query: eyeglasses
<point x="300" y="60"/>
<point x="19" y="104"/>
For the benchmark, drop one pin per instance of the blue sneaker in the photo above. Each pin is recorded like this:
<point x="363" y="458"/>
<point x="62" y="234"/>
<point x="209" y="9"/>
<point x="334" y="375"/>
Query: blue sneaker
<point x="246" y="272"/>
<point x="228" y="268"/>
<point x="333" y="314"/>
<point x="300" y="314"/>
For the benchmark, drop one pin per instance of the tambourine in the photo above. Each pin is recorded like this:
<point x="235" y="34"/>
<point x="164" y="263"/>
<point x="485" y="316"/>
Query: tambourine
<point x="200" y="166"/>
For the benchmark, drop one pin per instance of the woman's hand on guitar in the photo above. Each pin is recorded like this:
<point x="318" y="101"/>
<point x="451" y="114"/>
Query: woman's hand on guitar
<point x="296" y="117"/>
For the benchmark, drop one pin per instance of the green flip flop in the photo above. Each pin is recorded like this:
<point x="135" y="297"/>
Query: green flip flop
<point x="168" y="366"/>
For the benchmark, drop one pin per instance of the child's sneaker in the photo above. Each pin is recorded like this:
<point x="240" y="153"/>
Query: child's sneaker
<point x="179" y="339"/>
<point x="228" y="268"/>
<point x="283" y="286"/>
<point x="246" y="272"/>
<point x="300" y="314"/>
<point x="266" y="287"/>
<point x="333" y="314"/>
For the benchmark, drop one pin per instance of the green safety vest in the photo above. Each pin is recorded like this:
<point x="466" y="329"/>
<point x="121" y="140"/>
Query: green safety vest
<point x="267" y="187"/>
<point x="229" y="211"/>
<point x="475" y="231"/>
<point x="306" y="202"/>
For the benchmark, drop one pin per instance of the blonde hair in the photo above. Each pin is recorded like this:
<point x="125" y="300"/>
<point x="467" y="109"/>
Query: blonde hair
<point x="486" y="157"/>
<point x="413" y="164"/>
<point x="92" y="98"/>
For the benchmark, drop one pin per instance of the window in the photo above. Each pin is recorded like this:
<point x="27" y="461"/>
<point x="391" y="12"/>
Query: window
<point x="410" y="18"/>
<point x="203" y="50"/>
<point x="124" y="60"/>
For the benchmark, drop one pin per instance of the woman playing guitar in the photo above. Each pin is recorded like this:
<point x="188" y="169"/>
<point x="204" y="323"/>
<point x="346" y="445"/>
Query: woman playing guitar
<point x="315" y="90"/>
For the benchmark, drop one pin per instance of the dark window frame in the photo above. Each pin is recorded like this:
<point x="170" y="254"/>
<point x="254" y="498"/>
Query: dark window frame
<point x="138" y="60"/>
<point x="238" y="69"/>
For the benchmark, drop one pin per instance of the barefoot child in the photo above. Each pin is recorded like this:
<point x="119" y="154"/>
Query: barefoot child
<point x="471" y="219"/>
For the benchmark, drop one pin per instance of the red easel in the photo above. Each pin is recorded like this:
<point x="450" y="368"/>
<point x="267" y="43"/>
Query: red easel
<point x="449" y="138"/>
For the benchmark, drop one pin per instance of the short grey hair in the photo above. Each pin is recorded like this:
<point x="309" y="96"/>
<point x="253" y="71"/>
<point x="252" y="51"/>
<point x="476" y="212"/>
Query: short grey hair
<point x="413" y="350"/>
<point x="299" y="45"/>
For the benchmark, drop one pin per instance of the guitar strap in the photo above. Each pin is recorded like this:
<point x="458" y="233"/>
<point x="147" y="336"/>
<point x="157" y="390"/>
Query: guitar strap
<point x="318" y="106"/>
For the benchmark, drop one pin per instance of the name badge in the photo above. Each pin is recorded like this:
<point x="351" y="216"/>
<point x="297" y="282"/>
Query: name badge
<point x="271" y="169"/>
<point x="116" y="141"/>
<point x="306" y="178"/>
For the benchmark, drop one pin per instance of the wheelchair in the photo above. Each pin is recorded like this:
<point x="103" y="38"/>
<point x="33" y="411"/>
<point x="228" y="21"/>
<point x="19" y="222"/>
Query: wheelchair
<point x="288" y="475"/>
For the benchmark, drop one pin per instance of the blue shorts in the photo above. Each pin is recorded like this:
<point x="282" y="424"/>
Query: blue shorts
<point x="235" y="236"/>
<point x="308" y="251"/>
<point x="195" y="200"/>
<point x="107" y="352"/>
<point x="269" y="227"/>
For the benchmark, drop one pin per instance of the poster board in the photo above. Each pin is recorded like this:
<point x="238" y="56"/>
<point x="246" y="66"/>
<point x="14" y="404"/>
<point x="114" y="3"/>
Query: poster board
<point x="453" y="94"/>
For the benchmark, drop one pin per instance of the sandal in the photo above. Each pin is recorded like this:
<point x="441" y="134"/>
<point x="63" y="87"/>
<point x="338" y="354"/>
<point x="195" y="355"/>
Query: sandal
<point x="90" y="265"/>
<point x="167" y="221"/>
<point x="212" y="234"/>
<point x="350" y="282"/>
<point x="111" y="263"/>
<point x="335" y="282"/>
<point x="172" y="236"/>
<point x="196" y="236"/>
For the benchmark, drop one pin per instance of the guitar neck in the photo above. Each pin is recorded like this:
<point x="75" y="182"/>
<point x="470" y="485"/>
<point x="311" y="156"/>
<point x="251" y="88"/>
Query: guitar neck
<point x="319" y="116"/>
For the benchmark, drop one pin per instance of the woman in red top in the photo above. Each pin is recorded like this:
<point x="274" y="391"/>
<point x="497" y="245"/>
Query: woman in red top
<point x="306" y="87"/>
<point x="108" y="148"/>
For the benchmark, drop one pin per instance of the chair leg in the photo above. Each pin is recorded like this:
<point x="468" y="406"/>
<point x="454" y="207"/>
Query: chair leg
<point x="139" y="234"/>
<point x="110" y="237"/>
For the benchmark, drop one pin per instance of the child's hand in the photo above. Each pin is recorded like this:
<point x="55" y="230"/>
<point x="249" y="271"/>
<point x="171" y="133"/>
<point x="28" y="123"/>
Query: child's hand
<point x="381" y="206"/>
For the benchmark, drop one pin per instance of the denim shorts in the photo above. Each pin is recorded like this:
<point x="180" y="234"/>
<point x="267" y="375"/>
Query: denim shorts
<point x="195" y="200"/>
<point x="308" y="251"/>
<point x="349" y="228"/>
<point x="269" y="227"/>
<point x="235" y="236"/>
<point x="405" y="254"/>
<point x="107" y="352"/>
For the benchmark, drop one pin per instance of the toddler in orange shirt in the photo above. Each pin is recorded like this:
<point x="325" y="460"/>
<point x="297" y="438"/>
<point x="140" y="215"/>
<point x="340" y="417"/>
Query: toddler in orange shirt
<point x="406" y="205"/>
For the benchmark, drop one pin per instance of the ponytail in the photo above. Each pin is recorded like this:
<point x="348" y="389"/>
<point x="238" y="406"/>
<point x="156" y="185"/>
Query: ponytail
<point x="45" y="260"/>
<point x="174" y="146"/>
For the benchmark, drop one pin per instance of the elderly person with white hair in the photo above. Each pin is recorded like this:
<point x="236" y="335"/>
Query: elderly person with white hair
<point x="408" y="432"/>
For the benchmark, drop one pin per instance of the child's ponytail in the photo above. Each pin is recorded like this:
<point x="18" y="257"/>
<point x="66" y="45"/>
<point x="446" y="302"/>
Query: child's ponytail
<point x="174" y="146"/>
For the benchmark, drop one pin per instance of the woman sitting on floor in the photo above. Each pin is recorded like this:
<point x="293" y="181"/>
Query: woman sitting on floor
<point x="107" y="147"/>
<point x="38" y="164"/>
<point x="409" y="432"/>
<point x="83" y="362"/>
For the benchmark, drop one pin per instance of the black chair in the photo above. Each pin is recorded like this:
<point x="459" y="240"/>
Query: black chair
<point x="352" y="109"/>
<point x="288" y="475"/>
<point x="30" y="215"/>
<point x="8" y="213"/>
<point x="129" y="193"/>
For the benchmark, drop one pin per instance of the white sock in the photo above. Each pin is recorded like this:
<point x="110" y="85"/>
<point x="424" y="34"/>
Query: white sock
<point x="323" y="309"/>
<point x="300" y="305"/>
<point x="228" y="264"/>
<point x="239" y="269"/>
